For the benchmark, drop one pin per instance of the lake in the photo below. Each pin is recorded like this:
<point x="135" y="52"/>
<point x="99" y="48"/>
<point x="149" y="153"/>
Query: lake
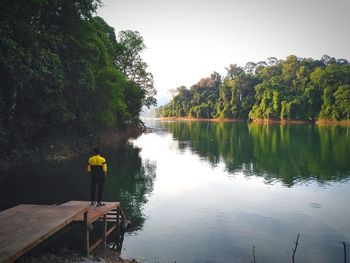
<point x="211" y="191"/>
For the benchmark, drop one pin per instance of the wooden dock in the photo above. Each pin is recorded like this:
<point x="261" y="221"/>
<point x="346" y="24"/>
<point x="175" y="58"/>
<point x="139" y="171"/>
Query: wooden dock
<point x="110" y="214"/>
<point x="25" y="226"/>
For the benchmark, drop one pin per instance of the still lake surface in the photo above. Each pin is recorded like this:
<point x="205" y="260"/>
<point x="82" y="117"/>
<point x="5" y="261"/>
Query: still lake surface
<point x="210" y="192"/>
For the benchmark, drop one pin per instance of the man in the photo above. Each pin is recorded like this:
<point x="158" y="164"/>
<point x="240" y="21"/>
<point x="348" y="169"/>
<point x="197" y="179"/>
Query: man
<point x="97" y="168"/>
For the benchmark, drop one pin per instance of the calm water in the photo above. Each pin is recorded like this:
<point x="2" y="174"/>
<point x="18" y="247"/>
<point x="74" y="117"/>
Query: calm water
<point x="209" y="192"/>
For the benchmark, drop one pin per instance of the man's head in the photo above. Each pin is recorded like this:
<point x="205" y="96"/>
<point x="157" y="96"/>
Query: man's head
<point x="97" y="150"/>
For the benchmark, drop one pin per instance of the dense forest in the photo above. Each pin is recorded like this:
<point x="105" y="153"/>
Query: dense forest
<point x="61" y="68"/>
<point x="290" y="89"/>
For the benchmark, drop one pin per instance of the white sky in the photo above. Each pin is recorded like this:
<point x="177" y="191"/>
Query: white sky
<point x="189" y="39"/>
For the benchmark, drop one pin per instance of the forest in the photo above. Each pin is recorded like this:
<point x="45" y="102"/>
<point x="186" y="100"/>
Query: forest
<point x="276" y="89"/>
<point x="64" y="69"/>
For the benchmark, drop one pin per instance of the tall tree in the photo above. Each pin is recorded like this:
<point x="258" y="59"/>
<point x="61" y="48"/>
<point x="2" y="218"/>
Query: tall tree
<point x="128" y="59"/>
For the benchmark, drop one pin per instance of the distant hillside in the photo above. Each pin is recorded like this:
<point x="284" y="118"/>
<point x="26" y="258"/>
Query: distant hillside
<point x="290" y="89"/>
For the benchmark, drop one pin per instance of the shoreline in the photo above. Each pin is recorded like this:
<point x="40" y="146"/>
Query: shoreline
<point x="201" y="119"/>
<point x="260" y="121"/>
<point x="67" y="146"/>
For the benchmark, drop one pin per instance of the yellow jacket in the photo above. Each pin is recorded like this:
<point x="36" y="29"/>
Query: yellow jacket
<point x="97" y="161"/>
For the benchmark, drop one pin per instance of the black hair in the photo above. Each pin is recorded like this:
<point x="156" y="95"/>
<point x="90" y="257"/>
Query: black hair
<point x="97" y="150"/>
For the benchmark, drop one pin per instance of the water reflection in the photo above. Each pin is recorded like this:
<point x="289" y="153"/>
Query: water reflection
<point x="287" y="153"/>
<point x="130" y="181"/>
<point x="177" y="179"/>
<point x="212" y="200"/>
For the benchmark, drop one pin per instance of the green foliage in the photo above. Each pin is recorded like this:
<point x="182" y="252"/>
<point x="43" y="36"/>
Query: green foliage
<point x="268" y="101"/>
<point x="342" y="103"/>
<point x="129" y="62"/>
<point x="290" y="89"/>
<point x="198" y="101"/>
<point x="328" y="103"/>
<point x="59" y="70"/>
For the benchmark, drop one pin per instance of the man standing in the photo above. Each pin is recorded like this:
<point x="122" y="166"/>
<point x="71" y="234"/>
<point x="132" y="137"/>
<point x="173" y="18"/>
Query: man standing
<point x="97" y="168"/>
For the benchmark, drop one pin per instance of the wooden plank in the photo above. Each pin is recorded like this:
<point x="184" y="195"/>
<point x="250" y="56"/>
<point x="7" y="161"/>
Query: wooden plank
<point x="111" y="220"/>
<point x="104" y="230"/>
<point x="25" y="226"/>
<point x="117" y="222"/>
<point x="94" y="212"/>
<point x="111" y="230"/>
<point x="95" y="244"/>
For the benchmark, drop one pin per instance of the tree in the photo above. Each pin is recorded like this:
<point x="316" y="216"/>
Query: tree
<point x="250" y="68"/>
<point x="327" y="106"/>
<point x="128" y="60"/>
<point x="233" y="71"/>
<point x="342" y="102"/>
<point x="271" y="61"/>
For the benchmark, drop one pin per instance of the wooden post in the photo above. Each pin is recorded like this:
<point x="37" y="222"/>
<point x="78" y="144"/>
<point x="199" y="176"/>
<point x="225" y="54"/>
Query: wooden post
<point x="344" y="245"/>
<point x="118" y="228"/>
<point x="104" y="230"/>
<point x="86" y="245"/>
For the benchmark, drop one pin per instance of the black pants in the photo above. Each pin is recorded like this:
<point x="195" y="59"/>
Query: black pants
<point x="96" y="180"/>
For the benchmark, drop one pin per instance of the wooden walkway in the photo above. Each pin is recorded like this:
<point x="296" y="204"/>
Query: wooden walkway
<point x="25" y="226"/>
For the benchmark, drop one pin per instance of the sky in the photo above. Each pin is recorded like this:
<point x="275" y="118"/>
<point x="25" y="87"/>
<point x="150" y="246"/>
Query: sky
<point x="189" y="39"/>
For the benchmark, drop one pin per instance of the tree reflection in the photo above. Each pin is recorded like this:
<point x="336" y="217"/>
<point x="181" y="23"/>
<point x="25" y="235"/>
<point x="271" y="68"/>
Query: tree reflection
<point x="131" y="181"/>
<point x="287" y="153"/>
